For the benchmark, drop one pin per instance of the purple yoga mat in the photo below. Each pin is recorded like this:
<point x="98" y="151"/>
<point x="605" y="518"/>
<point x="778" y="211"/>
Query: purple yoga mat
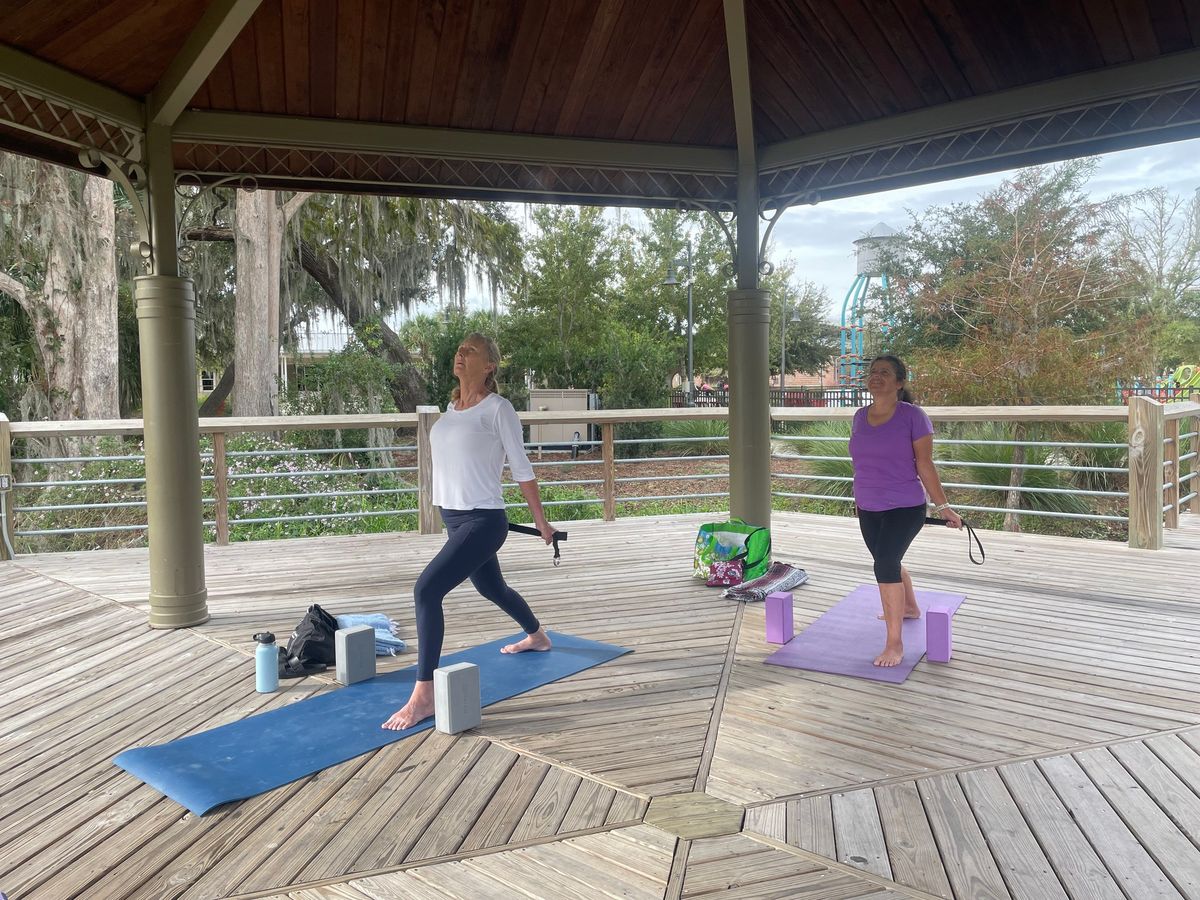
<point x="847" y="638"/>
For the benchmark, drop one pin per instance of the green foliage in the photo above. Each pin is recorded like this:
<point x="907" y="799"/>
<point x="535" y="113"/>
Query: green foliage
<point x="434" y="341"/>
<point x="1019" y="298"/>
<point x="825" y="439"/>
<point x="1115" y="457"/>
<point x="1159" y="233"/>
<point x="129" y="362"/>
<point x="691" y="434"/>
<point x="113" y="494"/>
<point x="560" y="317"/>
<point x="587" y="507"/>
<point x="291" y="477"/>
<point x="18" y="355"/>
<point x="994" y="480"/>
<point x="812" y="341"/>
<point x="1180" y="340"/>
<point x="352" y="380"/>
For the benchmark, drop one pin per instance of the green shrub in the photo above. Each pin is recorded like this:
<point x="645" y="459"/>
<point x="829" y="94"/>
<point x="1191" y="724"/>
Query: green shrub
<point x="994" y="479"/>
<point x="823" y="439"/>
<point x="687" y="431"/>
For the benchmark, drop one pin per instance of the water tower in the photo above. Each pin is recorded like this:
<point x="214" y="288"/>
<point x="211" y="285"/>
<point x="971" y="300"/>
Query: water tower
<point x="872" y="251"/>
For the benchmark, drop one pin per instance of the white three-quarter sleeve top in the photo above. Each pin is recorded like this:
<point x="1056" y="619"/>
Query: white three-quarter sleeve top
<point x="469" y="451"/>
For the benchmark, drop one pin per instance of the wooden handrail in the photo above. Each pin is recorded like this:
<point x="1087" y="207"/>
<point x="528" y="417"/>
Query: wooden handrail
<point x="1181" y="409"/>
<point x="235" y="425"/>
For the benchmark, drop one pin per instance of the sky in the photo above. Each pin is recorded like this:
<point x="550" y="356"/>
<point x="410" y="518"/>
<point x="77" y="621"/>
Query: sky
<point x="821" y="238"/>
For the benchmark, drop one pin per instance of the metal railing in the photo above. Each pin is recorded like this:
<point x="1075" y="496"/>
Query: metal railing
<point x="837" y="397"/>
<point x="255" y="488"/>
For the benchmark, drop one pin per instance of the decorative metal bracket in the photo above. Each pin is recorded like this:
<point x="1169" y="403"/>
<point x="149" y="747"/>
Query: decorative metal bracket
<point x="779" y="207"/>
<point x="184" y="250"/>
<point x="132" y="178"/>
<point x="724" y="215"/>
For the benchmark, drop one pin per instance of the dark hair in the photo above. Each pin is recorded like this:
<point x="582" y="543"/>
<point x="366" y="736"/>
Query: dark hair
<point x="901" y="375"/>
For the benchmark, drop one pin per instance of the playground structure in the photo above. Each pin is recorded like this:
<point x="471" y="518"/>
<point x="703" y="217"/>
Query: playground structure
<point x="1177" y="385"/>
<point x="870" y="251"/>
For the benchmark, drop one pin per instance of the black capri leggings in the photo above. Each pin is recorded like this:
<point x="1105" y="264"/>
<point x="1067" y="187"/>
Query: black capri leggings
<point x="888" y="534"/>
<point x="474" y="537"/>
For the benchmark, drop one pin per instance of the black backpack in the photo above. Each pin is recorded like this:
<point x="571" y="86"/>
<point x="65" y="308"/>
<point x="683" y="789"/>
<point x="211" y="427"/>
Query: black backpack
<point x="310" y="649"/>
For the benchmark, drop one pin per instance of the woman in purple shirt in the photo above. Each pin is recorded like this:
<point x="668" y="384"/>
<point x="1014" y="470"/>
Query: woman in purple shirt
<point x="891" y="443"/>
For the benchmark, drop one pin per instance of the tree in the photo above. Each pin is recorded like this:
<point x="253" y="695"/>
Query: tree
<point x="811" y="338"/>
<point x="59" y="235"/>
<point x="360" y="259"/>
<point x="642" y="303"/>
<point x="560" y="315"/>
<point x="1020" y="298"/>
<point x="260" y="222"/>
<point x="1159" y="232"/>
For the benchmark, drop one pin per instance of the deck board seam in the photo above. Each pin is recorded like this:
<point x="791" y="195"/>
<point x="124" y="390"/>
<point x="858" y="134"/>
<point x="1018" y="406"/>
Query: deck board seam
<point x="974" y="767"/>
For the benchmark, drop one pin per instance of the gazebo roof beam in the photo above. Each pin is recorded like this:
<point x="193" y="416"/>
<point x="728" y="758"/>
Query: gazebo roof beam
<point x="326" y="134"/>
<point x="739" y="74"/>
<point x="53" y="83"/>
<point x="1076" y="91"/>
<point x="210" y="39"/>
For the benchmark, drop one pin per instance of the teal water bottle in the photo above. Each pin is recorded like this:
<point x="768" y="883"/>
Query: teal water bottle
<point x="266" y="663"/>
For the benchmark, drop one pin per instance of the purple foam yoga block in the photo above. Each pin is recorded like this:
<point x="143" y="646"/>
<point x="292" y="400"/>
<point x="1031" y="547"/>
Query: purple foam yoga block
<point x="937" y="634"/>
<point x="779" y="618"/>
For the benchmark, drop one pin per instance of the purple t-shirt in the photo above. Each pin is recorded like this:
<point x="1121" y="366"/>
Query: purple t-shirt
<point x="885" y="466"/>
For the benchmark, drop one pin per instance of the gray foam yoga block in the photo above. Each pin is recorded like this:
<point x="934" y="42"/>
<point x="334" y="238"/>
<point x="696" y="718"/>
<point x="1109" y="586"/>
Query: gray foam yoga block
<point x="456" y="698"/>
<point x="354" y="652"/>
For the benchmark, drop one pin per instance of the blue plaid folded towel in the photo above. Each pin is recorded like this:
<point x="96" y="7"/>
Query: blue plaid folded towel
<point x="386" y="642"/>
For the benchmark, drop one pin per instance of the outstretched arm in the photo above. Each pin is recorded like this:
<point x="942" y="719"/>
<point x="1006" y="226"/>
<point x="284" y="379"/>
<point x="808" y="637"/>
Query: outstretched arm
<point x="927" y="472"/>
<point x="533" y="497"/>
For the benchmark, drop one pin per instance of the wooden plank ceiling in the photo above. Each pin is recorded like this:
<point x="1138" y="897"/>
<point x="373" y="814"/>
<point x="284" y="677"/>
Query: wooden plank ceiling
<point x="601" y="69"/>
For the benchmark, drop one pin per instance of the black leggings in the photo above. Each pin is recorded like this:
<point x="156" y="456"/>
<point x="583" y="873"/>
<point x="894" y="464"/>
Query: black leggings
<point x="888" y="534"/>
<point x="474" y="537"/>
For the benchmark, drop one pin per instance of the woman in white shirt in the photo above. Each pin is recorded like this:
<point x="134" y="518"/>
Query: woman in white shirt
<point x="470" y="443"/>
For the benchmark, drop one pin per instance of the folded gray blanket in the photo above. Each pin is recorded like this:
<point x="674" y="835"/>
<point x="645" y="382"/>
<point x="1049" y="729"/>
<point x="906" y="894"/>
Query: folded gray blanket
<point x="779" y="577"/>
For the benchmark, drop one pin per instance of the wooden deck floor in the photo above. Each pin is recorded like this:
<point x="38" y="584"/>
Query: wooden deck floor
<point x="1057" y="755"/>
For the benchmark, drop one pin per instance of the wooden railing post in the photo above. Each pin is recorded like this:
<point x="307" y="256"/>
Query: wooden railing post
<point x="609" y="494"/>
<point x="427" y="519"/>
<point x="1171" y="473"/>
<point x="8" y="525"/>
<point x="221" y="487"/>
<point x="1145" y="473"/>
<point x="1194" y="484"/>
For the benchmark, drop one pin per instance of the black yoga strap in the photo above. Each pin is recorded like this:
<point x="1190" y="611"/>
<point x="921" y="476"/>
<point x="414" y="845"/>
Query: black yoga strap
<point x="971" y="536"/>
<point x="527" y="529"/>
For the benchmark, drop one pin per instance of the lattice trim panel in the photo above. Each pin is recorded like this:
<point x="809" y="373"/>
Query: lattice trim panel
<point x="207" y="161"/>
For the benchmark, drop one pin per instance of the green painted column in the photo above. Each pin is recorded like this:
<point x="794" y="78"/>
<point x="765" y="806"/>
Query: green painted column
<point x="749" y="406"/>
<point x="167" y="328"/>
<point x="749" y="375"/>
<point x="166" y="312"/>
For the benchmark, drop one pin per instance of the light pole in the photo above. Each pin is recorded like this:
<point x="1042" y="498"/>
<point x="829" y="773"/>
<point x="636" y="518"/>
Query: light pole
<point x="783" y="324"/>
<point x="672" y="281"/>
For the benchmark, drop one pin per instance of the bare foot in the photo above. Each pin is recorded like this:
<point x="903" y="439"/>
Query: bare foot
<point x="418" y="708"/>
<point x="539" y="640"/>
<point x="908" y="614"/>
<point x="891" y="655"/>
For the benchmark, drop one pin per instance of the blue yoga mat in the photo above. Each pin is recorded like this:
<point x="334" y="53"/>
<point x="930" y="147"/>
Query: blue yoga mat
<point x="262" y="752"/>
